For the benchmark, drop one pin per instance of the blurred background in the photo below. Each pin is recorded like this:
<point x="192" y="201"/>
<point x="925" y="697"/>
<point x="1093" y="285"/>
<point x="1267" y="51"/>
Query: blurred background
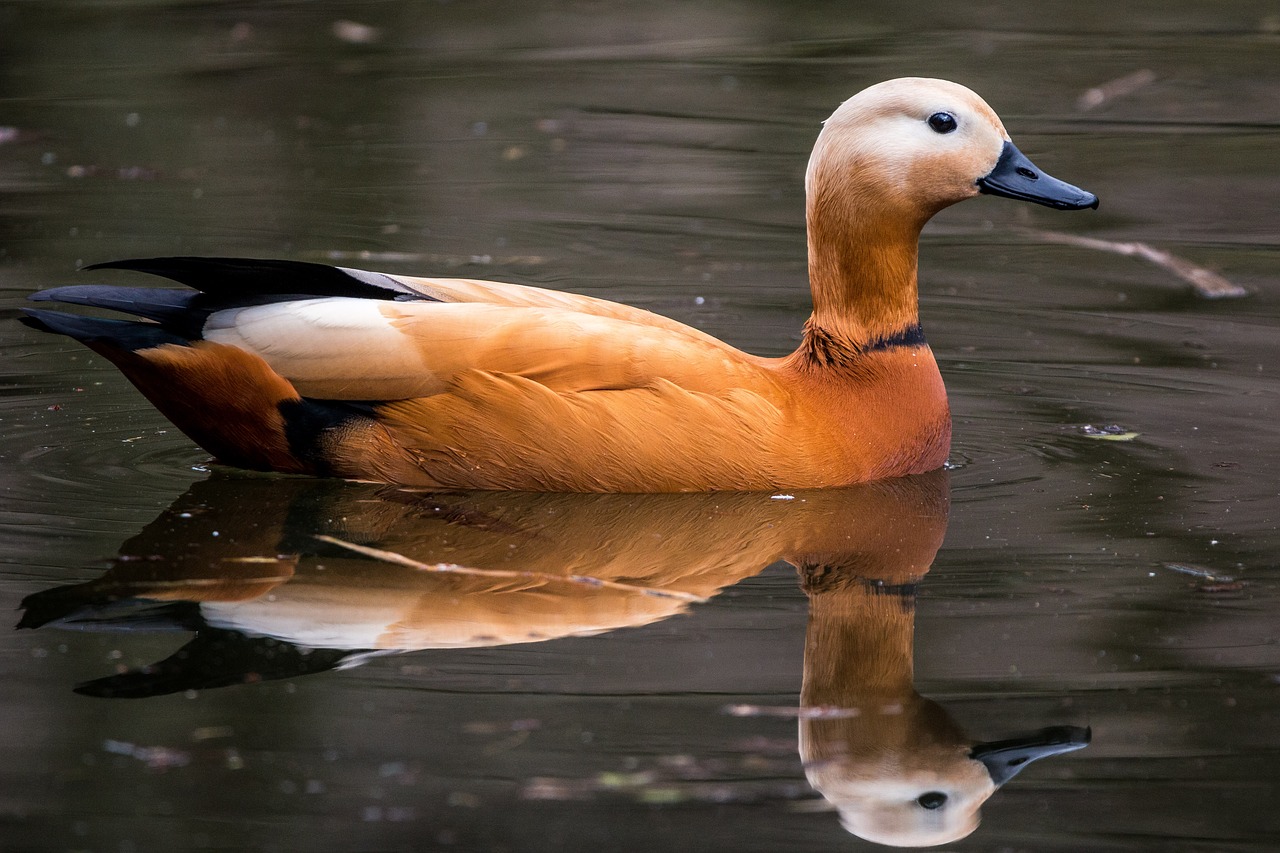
<point x="653" y="153"/>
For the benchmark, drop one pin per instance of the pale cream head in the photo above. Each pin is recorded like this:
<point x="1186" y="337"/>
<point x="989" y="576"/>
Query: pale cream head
<point x="878" y="796"/>
<point x="881" y="151"/>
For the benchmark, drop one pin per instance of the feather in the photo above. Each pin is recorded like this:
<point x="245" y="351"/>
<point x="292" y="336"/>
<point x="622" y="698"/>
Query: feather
<point x="227" y="277"/>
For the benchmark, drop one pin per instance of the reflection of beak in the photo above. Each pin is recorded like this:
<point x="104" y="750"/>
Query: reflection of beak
<point x="1004" y="758"/>
<point x="1017" y="177"/>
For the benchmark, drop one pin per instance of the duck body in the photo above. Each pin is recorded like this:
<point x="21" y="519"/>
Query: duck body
<point x="458" y="383"/>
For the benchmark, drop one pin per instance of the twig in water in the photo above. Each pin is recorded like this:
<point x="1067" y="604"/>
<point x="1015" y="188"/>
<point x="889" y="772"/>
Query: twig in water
<point x="1207" y="283"/>
<point x="1117" y="88"/>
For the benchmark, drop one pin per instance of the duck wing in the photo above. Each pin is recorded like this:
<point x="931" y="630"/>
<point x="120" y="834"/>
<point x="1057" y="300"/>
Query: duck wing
<point x="348" y="334"/>
<point x="228" y="282"/>
<point x="538" y="399"/>
<point x="356" y="349"/>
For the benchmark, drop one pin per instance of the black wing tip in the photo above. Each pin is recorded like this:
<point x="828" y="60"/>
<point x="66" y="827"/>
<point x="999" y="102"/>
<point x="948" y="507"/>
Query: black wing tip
<point x="217" y="658"/>
<point x="179" y="262"/>
<point x="108" y="265"/>
<point x="259" y="277"/>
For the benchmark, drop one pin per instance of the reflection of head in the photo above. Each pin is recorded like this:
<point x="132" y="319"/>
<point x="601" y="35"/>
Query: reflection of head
<point x="923" y="795"/>
<point x="898" y="770"/>
<point x="893" y="763"/>
<point x="928" y="791"/>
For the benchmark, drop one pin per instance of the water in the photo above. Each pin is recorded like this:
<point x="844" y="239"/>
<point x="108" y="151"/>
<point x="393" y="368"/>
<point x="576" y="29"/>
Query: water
<point x="653" y="154"/>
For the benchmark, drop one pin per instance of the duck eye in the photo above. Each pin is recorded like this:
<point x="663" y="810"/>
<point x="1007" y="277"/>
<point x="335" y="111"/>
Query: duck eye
<point x="942" y="122"/>
<point x="932" y="800"/>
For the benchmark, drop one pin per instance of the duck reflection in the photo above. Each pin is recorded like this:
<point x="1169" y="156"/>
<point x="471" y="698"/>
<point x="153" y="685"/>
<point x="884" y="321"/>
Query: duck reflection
<point x="895" y="765"/>
<point x="237" y="561"/>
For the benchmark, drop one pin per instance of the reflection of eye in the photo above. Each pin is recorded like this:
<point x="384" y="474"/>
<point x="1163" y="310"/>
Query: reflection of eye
<point x="932" y="800"/>
<point x="942" y="122"/>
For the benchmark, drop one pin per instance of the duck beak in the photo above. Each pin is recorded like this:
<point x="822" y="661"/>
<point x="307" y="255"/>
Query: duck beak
<point x="1004" y="758"/>
<point x="1017" y="177"/>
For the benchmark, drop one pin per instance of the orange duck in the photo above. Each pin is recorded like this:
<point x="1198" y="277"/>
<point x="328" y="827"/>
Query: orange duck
<point x="456" y="383"/>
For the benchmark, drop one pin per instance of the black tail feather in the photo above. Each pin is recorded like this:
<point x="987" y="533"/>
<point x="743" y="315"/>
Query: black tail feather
<point x="220" y="283"/>
<point x="176" y="310"/>
<point x="77" y="607"/>
<point x="124" y="334"/>
<point x="237" y="278"/>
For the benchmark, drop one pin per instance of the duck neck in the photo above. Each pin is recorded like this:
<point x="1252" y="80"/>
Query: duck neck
<point x="862" y="270"/>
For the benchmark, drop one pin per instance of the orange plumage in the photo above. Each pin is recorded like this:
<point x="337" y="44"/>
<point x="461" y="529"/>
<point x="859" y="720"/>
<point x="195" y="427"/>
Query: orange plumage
<point x="295" y="367"/>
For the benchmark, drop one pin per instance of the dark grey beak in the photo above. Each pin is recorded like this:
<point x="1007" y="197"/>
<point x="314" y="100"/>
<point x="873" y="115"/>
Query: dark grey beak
<point x="1017" y="177"/>
<point x="1004" y="758"/>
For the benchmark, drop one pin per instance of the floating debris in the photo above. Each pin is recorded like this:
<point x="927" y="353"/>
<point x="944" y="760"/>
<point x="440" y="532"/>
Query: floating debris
<point x="1207" y="283"/>
<point x="1217" y="588"/>
<point x="1202" y="573"/>
<point x="1208" y="581"/>
<point x="212" y="733"/>
<point x="1195" y="571"/>
<point x="1118" y="88"/>
<point x="354" y="32"/>
<point x="610" y="779"/>
<point x="155" y="757"/>
<point x="1111" y="432"/>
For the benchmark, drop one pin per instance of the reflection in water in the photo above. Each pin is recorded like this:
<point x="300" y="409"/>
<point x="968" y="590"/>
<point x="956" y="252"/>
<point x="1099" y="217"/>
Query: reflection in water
<point x="237" y="561"/>
<point x="895" y="765"/>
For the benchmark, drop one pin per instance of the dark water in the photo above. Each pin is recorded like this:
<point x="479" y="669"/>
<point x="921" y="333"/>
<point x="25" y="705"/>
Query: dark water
<point x="650" y="153"/>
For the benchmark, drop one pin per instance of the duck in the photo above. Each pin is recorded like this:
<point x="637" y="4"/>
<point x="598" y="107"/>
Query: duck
<point x="306" y="368"/>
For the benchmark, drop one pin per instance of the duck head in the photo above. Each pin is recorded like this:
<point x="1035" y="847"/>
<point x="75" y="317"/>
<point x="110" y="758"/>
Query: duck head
<point x="885" y="162"/>
<point x="912" y="146"/>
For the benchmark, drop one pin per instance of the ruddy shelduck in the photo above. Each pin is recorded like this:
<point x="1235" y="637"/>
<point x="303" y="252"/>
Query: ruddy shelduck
<point x="457" y="383"/>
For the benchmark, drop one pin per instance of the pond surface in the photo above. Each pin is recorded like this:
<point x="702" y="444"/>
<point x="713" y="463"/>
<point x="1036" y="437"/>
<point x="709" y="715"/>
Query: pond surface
<point x="197" y="671"/>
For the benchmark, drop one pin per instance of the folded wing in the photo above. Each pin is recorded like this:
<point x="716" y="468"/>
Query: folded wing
<point x="356" y="349"/>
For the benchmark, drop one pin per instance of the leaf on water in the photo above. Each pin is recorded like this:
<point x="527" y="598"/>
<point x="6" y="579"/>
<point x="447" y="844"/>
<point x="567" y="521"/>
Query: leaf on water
<point x="1207" y="283"/>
